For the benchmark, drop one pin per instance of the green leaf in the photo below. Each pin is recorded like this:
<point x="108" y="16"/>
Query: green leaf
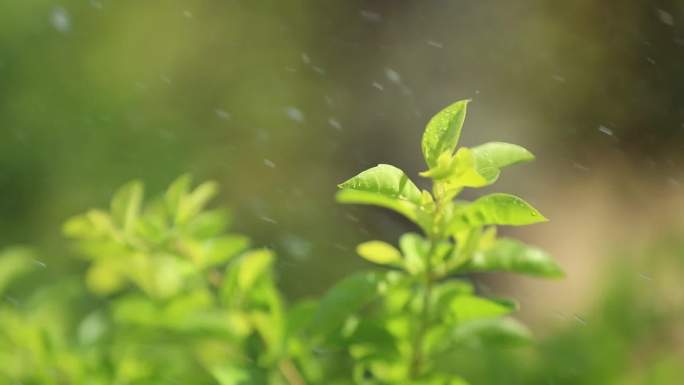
<point x="415" y="248"/>
<point x="219" y="250"/>
<point x="178" y="189"/>
<point x="443" y="131"/>
<point x="379" y="252"/>
<point x="495" y="209"/>
<point x="470" y="307"/>
<point x="15" y="262"/>
<point x="382" y="185"/>
<point x="342" y="300"/>
<point x="105" y="277"/>
<point x="491" y="157"/>
<point x="191" y="204"/>
<point x="513" y="256"/>
<point x="125" y="205"/>
<point x="492" y="332"/>
<point x="254" y="265"/>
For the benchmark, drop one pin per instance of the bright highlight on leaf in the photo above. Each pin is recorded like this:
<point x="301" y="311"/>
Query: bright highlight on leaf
<point x="379" y="252"/>
<point x="385" y="186"/>
<point x="496" y="209"/>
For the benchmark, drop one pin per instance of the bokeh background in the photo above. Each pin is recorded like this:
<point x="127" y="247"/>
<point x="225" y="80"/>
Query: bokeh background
<point x="279" y="101"/>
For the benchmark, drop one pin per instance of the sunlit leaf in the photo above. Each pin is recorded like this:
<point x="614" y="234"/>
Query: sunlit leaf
<point x="104" y="277"/>
<point x="252" y="266"/>
<point x="126" y="205"/>
<point x="469" y="307"/>
<point x="15" y="262"/>
<point x="191" y="204"/>
<point x="491" y="157"/>
<point x="382" y="185"/>
<point x="443" y="131"/>
<point x="496" y="209"/>
<point x="379" y="252"/>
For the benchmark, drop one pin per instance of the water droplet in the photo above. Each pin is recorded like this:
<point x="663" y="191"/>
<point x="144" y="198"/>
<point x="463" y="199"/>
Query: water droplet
<point x="606" y="130"/>
<point x="268" y="219"/>
<point x="294" y="114"/>
<point x="581" y="320"/>
<point x="222" y="114"/>
<point x="435" y="44"/>
<point x="665" y="17"/>
<point x="60" y="19"/>
<point x="371" y="16"/>
<point x="335" y="124"/>
<point x="392" y="75"/>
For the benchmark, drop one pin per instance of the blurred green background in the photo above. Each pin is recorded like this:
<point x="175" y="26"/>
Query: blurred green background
<point x="281" y="100"/>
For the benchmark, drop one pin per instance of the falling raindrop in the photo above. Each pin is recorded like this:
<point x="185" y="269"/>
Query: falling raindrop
<point x="268" y="219"/>
<point x="435" y="44"/>
<point x="665" y="17"/>
<point x="294" y="114"/>
<point x="335" y="124"/>
<point x="222" y="114"/>
<point x="392" y="75"/>
<point x="371" y="16"/>
<point x="60" y="20"/>
<point x="606" y="130"/>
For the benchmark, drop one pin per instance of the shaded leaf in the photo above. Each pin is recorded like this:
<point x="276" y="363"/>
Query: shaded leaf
<point x="343" y="300"/>
<point x="513" y="256"/>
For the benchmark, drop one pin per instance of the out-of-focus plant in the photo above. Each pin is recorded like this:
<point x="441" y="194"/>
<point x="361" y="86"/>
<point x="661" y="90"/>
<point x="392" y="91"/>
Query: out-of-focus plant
<point x="168" y="295"/>
<point x="395" y="324"/>
<point x="174" y="276"/>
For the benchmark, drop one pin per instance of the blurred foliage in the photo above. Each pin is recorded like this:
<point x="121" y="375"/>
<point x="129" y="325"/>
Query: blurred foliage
<point x="631" y="335"/>
<point x="175" y="298"/>
<point x="272" y="99"/>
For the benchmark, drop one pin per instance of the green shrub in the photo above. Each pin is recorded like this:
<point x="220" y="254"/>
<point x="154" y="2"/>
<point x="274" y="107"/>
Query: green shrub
<point x="170" y="296"/>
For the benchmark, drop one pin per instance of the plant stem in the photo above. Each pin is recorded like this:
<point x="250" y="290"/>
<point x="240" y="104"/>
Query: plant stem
<point x="424" y="321"/>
